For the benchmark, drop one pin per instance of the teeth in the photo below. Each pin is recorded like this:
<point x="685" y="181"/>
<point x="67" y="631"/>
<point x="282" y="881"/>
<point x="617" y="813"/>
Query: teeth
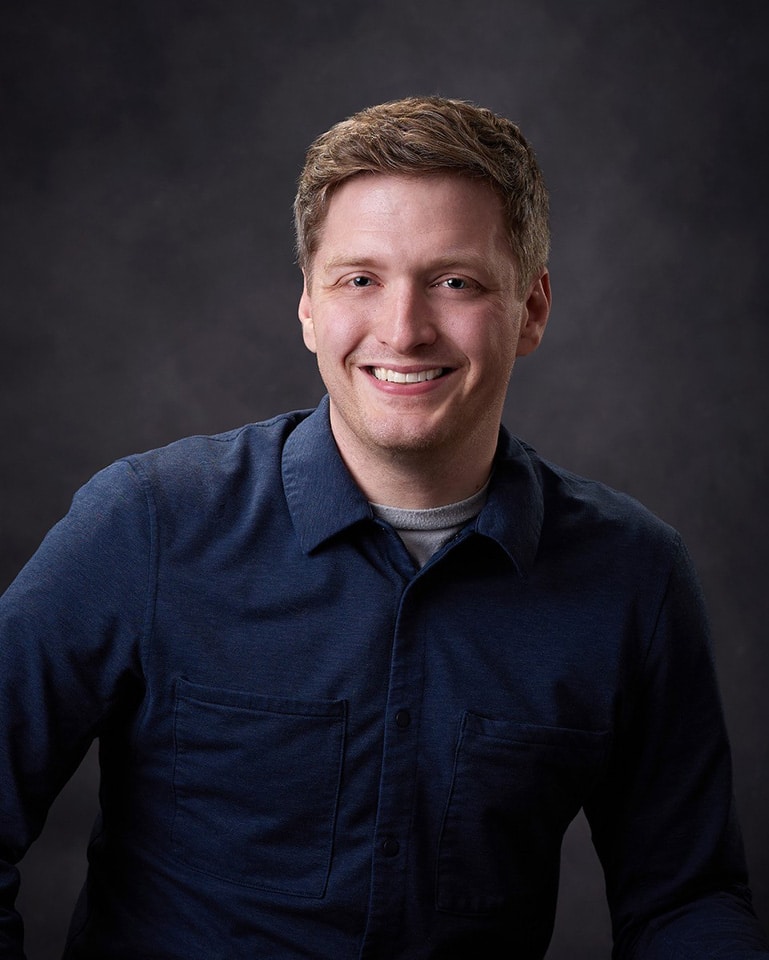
<point x="394" y="376"/>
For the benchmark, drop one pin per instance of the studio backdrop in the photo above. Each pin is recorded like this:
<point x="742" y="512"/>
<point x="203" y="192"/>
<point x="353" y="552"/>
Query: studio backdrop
<point x="149" y="153"/>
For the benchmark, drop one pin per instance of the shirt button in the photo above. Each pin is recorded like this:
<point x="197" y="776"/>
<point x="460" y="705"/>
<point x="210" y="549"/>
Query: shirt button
<point x="402" y="719"/>
<point x="390" y="847"/>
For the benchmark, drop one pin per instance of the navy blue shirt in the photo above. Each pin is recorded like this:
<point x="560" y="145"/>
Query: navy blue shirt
<point x="311" y="748"/>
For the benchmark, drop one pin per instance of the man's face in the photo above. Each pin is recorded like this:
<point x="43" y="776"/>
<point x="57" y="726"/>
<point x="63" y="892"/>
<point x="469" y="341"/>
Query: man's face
<point x="412" y="307"/>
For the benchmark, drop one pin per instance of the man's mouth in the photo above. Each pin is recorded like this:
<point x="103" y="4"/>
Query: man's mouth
<point x="416" y="376"/>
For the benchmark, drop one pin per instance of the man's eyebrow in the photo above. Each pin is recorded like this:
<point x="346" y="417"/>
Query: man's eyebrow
<point x="348" y="260"/>
<point x="459" y="260"/>
<point x="448" y="261"/>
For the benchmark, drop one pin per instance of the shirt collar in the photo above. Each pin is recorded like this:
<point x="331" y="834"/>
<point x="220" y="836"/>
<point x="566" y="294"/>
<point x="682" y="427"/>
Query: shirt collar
<point x="322" y="496"/>
<point x="324" y="500"/>
<point x="515" y="508"/>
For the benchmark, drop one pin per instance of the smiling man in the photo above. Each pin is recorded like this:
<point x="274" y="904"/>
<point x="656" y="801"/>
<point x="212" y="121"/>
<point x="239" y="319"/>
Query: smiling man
<point x="416" y="309"/>
<point x="355" y="669"/>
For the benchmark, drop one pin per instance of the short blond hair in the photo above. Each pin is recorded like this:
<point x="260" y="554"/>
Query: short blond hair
<point x="430" y="135"/>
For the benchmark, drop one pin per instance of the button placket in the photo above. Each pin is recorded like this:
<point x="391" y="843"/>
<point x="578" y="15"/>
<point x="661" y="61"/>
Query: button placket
<point x="398" y="777"/>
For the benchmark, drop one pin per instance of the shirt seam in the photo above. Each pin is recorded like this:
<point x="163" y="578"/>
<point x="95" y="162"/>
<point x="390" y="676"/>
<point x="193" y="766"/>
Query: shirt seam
<point x="153" y="564"/>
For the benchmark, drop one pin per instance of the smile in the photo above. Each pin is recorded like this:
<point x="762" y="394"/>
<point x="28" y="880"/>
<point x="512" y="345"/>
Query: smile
<point x="395" y="376"/>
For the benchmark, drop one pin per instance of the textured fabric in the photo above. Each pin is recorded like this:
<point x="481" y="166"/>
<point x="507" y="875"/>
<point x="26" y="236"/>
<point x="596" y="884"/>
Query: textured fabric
<point x="311" y="749"/>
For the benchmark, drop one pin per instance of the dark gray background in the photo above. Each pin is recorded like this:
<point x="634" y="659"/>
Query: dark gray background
<point x="149" y="153"/>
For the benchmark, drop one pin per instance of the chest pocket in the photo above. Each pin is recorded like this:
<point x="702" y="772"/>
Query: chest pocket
<point x="256" y="782"/>
<point x="515" y="788"/>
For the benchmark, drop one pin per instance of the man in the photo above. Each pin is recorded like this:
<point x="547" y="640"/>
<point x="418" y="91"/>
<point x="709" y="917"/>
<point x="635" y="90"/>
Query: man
<point x="354" y="670"/>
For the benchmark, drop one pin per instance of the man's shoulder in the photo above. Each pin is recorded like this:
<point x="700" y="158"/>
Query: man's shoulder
<point x="200" y="472"/>
<point x="581" y="506"/>
<point x="204" y="455"/>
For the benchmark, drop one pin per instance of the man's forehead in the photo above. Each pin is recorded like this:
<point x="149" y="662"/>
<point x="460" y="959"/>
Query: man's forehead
<point x="375" y="203"/>
<point x="372" y="180"/>
<point x="436" y="220"/>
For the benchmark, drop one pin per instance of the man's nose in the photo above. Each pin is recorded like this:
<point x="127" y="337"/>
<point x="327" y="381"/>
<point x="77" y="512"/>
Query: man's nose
<point x="408" y="320"/>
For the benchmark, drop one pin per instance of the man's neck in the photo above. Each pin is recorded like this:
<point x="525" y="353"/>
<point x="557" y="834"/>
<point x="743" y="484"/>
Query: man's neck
<point x="417" y="480"/>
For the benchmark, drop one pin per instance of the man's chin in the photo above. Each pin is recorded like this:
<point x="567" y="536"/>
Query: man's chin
<point x="395" y="436"/>
<point x="408" y="443"/>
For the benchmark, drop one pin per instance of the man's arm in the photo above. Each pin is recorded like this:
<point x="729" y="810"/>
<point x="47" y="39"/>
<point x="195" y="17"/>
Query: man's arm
<point x="665" y="826"/>
<point x="69" y="631"/>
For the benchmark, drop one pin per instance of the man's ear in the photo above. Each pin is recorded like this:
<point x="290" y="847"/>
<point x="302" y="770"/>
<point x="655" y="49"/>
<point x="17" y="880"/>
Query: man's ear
<point x="305" y="317"/>
<point x="536" y="310"/>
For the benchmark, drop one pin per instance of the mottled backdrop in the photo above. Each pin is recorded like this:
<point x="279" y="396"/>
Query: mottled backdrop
<point x="148" y="157"/>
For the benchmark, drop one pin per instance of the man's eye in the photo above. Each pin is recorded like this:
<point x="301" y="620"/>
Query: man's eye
<point x="455" y="283"/>
<point x="361" y="281"/>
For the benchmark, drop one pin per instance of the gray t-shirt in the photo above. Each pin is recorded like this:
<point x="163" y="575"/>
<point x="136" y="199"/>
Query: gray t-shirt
<point x="425" y="531"/>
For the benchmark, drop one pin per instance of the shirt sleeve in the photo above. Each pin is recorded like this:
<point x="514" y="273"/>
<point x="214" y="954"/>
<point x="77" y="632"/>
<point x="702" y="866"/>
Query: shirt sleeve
<point x="70" y="628"/>
<point x="664" y="825"/>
